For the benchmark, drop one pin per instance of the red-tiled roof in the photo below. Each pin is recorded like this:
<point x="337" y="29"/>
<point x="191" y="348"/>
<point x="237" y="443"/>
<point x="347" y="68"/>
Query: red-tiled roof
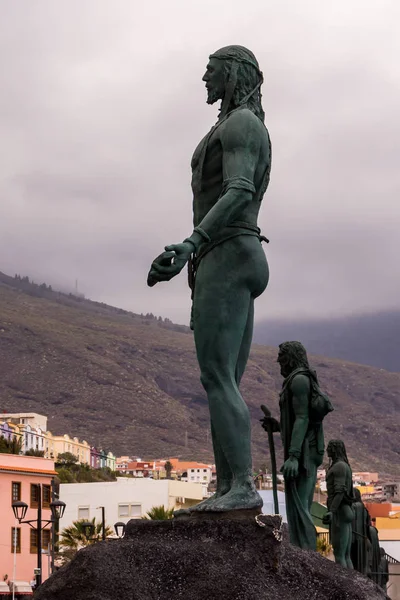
<point x="28" y="470"/>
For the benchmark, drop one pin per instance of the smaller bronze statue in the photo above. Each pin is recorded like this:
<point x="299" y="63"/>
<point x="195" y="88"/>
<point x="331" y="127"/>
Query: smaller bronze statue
<point x="302" y="409"/>
<point x="383" y="570"/>
<point x="339" y="483"/>
<point x="374" y="554"/>
<point x="359" y="545"/>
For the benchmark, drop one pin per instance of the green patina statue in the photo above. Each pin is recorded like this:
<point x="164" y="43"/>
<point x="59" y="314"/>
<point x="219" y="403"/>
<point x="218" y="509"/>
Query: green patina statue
<point x="359" y="545"/>
<point x="339" y="483"/>
<point x="374" y="553"/>
<point x="227" y="265"/>
<point x="302" y="408"/>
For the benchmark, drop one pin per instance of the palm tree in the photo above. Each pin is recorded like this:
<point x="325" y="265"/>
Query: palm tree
<point x="168" y="468"/>
<point x="73" y="538"/>
<point x="160" y="513"/>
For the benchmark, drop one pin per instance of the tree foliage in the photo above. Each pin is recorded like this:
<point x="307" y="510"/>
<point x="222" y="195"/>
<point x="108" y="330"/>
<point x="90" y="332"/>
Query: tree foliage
<point x="78" y="473"/>
<point x="34" y="452"/>
<point x="73" y="538"/>
<point x="66" y="459"/>
<point x="160" y="513"/>
<point x="13" y="446"/>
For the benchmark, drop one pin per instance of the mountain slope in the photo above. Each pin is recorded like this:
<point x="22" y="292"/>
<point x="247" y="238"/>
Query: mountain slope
<point x="131" y="383"/>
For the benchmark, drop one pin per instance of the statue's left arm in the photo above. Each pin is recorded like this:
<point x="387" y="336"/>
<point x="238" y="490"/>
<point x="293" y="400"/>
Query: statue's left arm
<point x="241" y="143"/>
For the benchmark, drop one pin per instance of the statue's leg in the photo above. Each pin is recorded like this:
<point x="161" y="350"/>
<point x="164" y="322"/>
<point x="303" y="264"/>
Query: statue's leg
<point x="224" y="477"/>
<point x="227" y="280"/>
<point x="306" y="486"/>
<point x="246" y="344"/>
<point x="341" y="537"/>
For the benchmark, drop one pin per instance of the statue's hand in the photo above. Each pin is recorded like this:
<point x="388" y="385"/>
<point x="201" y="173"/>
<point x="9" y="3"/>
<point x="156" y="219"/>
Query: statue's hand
<point x="290" y="468"/>
<point x="327" y="518"/>
<point x="270" y="424"/>
<point x="170" y="263"/>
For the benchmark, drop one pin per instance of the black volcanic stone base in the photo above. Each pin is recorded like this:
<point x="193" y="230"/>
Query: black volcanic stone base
<point x="203" y="560"/>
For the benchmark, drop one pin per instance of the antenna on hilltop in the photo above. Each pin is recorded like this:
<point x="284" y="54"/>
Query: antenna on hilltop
<point x="76" y="287"/>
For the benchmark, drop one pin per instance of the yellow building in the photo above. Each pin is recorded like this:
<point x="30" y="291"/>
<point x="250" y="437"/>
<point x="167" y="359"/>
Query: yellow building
<point x="58" y="444"/>
<point x="365" y="489"/>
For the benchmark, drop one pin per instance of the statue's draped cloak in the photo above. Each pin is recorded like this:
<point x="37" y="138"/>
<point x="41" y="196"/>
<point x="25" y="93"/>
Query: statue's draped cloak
<point x="374" y="555"/>
<point x="301" y="527"/>
<point x="359" y="541"/>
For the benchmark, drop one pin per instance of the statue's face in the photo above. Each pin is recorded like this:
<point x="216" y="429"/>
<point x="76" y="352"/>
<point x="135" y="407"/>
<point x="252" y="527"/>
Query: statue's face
<point x="214" y="78"/>
<point x="329" y="451"/>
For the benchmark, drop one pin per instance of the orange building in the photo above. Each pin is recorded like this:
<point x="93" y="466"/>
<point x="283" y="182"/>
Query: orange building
<point x="19" y="476"/>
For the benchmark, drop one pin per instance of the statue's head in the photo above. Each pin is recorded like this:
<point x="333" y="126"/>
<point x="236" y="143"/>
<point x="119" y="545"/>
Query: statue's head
<point x="336" y="450"/>
<point x="291" y="356"/>
<point x="357" y="495"/>
<point x="233" y="76"/>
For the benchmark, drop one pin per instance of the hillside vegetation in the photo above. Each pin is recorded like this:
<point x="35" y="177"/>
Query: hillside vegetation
<point x="131" y="383"/>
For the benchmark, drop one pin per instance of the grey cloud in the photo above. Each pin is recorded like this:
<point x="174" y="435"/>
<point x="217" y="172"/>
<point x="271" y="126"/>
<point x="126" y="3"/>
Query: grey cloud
<point x="102" y="104"/>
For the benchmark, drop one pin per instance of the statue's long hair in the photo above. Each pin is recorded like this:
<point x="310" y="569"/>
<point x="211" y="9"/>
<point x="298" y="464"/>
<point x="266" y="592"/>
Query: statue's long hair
<point x="337" y="451"/>
<point x="295" y="355"/>
<point x="243" y="74"/>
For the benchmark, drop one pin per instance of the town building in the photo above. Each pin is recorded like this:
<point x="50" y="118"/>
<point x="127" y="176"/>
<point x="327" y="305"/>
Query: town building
<point x="365" y="477"/>
<point x="391" y="490"/>
<point x="32" y="419"/>
<point x="19" y="476"/>
<point x="100" y="459"/>
<point x="126" y="498"/>
<point x="59" y="444"/>
<point x="121" y="463"/>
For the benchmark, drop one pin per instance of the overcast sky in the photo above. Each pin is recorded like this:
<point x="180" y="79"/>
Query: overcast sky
<point x="102" y="105"/>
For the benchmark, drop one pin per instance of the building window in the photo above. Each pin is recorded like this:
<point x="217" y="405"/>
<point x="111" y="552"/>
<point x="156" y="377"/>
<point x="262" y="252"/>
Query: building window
<point x="16" y="491"/>
<point x="46" y="533"/>
<point x="16" y="539"/>
<point x="46" y="496"/>
<point x="83" y="512"/>
<point x="130" y="510"/>
<point x="34" y="495"/>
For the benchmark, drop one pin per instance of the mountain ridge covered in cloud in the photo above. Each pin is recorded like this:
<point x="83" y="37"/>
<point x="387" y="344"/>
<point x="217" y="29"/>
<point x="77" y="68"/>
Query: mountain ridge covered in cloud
<point x="368" y="339"/>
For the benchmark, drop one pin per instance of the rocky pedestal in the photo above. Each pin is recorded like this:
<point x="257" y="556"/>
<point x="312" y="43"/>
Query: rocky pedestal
<point x="204" y="559"/>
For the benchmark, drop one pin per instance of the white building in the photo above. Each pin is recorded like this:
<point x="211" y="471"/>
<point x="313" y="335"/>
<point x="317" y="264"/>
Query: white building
<point x="33" y="438"/>
<point x="268" y="500"/>
<point x="125" y="498"/>
<point x="33" y="419"/>
<point x="201" y="474"/>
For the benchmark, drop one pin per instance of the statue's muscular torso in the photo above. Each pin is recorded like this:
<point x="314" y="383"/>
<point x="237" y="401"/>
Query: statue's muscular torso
<point x="239" y="147"/>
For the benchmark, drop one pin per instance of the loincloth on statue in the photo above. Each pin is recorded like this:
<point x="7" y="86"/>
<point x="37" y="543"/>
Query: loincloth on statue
<point x="236" y="229"/>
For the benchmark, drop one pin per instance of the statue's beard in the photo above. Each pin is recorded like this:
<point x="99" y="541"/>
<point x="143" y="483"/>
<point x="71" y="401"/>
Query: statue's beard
<point x="213" y="96"/>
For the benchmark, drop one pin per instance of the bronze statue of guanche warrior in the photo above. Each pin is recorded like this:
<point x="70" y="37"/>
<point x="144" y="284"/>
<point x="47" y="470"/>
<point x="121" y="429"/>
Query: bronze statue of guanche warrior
<point x="228" y="269"/>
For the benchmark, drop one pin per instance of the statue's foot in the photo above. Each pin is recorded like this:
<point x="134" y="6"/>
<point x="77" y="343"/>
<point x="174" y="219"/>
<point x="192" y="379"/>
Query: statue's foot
<point x="208" y="503"/>
<point x="238" y="498"/>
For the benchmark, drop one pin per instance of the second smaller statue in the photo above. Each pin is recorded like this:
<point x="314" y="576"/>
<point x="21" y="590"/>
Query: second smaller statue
<point x="339" y="484"/>
<point x="303" y="407"/>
